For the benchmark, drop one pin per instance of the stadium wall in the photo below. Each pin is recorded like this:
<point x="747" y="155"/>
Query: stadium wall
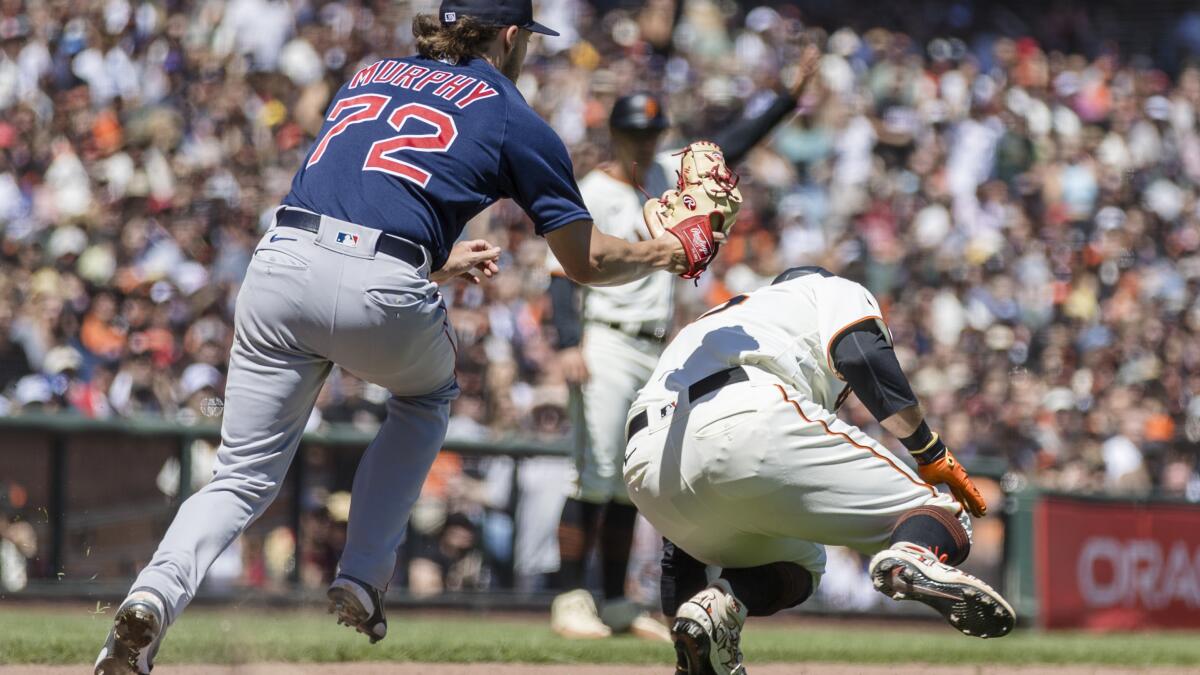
<point x="89" y="491"/>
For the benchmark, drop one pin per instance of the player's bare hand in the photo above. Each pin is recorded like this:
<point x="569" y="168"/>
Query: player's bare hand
<point x="806" y="67"/>
<point x="467" y="258"/>
<point x="574" y="367"/>
<point x="946" y="469"/>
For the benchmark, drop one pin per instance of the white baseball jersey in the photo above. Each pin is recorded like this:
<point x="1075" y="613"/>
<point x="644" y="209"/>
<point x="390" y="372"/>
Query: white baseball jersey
<point x="616" y="208"/>
<point x="785" y="329"/>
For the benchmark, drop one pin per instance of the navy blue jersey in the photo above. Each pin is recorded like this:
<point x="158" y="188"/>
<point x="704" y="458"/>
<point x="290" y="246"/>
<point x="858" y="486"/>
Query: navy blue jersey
<point x="417" y="147"/>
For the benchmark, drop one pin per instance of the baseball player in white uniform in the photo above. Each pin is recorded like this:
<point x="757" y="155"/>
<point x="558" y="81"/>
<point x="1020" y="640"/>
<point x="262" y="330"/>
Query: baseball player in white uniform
<point x="737" y="456"/>
<point x="611" y="350"/>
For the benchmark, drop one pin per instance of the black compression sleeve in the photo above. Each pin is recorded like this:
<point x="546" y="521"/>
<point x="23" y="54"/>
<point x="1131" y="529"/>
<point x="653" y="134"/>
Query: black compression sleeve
<point x="737" y="141"/>
<point x="868" y="363"/>
<point x="567" y="323"/>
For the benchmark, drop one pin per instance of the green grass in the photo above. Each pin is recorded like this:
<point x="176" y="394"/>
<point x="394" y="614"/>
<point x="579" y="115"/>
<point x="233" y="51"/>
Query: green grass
<point x="34" y="635"/>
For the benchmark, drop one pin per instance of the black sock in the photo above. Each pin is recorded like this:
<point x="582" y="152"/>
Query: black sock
<point x="616" y="538"/>
<point x="682" y="577"/>
<point x="767" y="589"/>
<point x="576" y="534"/>
<point x="936" y="530"/>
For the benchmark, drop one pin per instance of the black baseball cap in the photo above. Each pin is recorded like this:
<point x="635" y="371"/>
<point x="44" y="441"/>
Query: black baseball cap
<point x="494" y="13"/>
<point x="638" y="112"/>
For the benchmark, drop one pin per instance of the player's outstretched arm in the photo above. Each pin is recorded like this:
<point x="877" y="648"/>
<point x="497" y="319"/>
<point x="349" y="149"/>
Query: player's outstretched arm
<point x="467" y="257"/>
<point x="588" y="256"/>
<point x="865" y="358"/>
<point x="739" y="139"/>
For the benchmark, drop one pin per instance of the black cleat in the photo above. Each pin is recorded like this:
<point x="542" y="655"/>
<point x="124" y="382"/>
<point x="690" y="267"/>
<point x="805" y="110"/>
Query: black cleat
<point x="359" y="605"/>
<point x="134" y="638"/>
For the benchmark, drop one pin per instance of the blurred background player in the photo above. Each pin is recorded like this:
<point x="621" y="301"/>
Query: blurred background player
<point x="609" y="344"/>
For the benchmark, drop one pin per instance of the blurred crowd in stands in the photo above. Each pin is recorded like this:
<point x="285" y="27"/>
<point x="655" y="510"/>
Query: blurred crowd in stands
<point x="1029" y="217"/>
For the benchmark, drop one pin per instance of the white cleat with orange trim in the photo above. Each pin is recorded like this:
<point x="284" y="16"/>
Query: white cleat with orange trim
<point x="911" y="572"/>
<point x="708" y="633"/>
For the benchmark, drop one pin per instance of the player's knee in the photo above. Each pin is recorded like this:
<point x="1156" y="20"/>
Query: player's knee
<point x="770" y="589"/>
<point x="256" y="493"/>
<point x="936" y="529"/>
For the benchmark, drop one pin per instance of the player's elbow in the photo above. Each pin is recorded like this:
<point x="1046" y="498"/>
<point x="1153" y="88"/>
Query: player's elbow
<point x="596" y="268"/>
<point x="851" y="363"/>
<point x="581" y="272"/>
<point x="579" y="251"/>
<point x="855" y="352"/>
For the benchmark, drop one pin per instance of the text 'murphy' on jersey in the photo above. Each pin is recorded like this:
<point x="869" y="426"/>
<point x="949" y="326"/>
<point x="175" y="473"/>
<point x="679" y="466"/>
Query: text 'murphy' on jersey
<point x="417" y="147"/>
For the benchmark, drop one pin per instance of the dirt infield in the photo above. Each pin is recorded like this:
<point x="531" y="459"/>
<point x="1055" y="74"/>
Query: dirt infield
<point x="573" y="669"/>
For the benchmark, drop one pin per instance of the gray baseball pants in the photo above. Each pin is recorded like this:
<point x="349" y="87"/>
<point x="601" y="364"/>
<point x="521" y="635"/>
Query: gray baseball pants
<point x="309" y="302"/>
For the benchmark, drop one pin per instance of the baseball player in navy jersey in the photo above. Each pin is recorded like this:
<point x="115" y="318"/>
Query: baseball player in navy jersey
<point x="348" y="274"/>
<point x="608" y="346"/>
<point x="737" y="456"/>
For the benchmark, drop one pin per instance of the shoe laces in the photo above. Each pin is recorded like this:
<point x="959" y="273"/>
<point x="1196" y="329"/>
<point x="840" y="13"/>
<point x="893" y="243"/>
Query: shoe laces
<point x="934" y="556"/>
<point x="922" y="552"/>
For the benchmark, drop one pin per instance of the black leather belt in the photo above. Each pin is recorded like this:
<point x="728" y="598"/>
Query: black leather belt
<point x="650" y="335"/>
<point x="705" y="386"/>
<point x="397" y="248"/>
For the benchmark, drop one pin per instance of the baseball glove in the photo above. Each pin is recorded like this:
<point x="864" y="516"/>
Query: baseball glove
<point x="705" y="200"/>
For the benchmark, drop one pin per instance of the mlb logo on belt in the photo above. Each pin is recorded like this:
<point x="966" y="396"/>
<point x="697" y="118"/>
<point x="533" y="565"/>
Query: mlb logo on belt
<point x="347" y="239"/>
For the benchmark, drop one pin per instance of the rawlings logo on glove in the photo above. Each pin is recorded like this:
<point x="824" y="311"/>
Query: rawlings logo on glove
<point x="696" y="235"/>
<point x="701" y="241"/>
<point x="705" y="199"/>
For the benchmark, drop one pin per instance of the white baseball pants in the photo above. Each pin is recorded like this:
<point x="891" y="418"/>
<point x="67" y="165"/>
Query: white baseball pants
<point x="755" y="473"/>
<point x="619" y="365"/>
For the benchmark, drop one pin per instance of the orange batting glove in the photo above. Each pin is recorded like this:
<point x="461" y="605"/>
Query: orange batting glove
<point x="936" y="464"/>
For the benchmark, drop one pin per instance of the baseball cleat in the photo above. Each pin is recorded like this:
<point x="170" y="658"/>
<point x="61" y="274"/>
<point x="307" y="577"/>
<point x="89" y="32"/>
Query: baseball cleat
<point x="134" y="637"/>
<point x="625" y="616"/>
<point x="708" y="631"/>
<point x="910" y="572"/>
<point x="359" y="605"/>
<point x="573" y="615"/>
<point x="647" y="627"/>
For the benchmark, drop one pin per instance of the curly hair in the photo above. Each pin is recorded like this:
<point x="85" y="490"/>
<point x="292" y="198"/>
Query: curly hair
<point x="459" y="41"/>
